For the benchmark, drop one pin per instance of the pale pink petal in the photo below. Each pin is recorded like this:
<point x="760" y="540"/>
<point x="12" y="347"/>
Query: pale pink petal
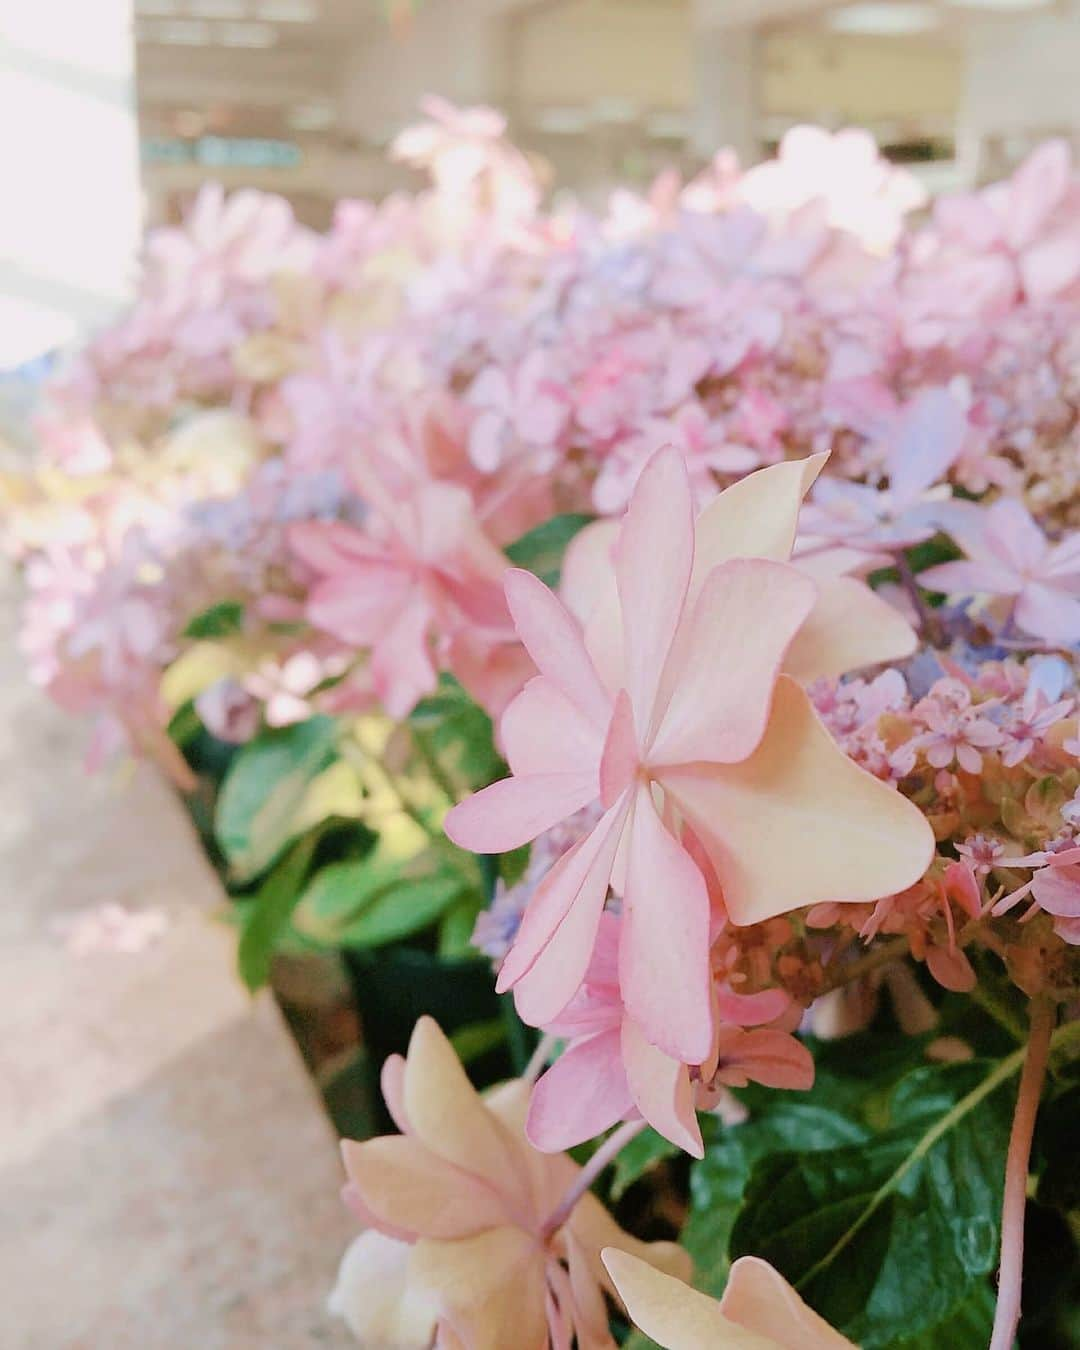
<point x="971" y="578"/>
<point x="849" y="627"/>
<point x="361" y="604"/>
<point x="798" y="823"/>
<point x="1057" y="890"/>
<point x="543" y="732"/>
<point x="329" y="545"/>
<point x="1051" y="265"/>
<point x="751" y="1010"/>
<point x="763" y="1055"/>
<point x="1014" y="535"/>
<point x="951" y="968"/>
<point x="559" y="928"/>
<point x="754" y="518"/>
<point x="745" y="616"/>
<point x="554" y="641"/>
<point x="664" y="952"/>
<point x="515" y="810"/>
<point x="758" y="1297"/>
<point x="392" y="1084"/>
<point x="620" y="758"/>
<point x="410" y="1189"/>
<point x="583" y="1094"/>
<point x="401" y="665"/>
<point x="932" y="431"/>
<point x="446" y="1114"/>
<point x="673" y="1314"/>
<point x="1034" y="191"/>
<point x="1049" y="614"/>
<point x="661" y="1090"/>
<point x="653" y="560"/>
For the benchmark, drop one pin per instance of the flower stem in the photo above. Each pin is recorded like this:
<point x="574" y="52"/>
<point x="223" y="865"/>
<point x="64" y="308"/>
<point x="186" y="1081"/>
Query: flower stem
<point x="605" y="1154"/>
<point x="540" y="1056"/>
<point x="1007" y="1314"/>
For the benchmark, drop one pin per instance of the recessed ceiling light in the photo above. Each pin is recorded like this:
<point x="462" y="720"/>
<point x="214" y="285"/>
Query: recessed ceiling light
<point x="248" y="35"/>
<point x="218" y="9"/>
<point x="287" y="11"/>
<point x="884" y="20"/>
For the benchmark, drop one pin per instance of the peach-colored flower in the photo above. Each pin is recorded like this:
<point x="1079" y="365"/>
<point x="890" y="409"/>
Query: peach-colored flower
<point x="490" y="1254"/>
<point x="759" y="1309"/>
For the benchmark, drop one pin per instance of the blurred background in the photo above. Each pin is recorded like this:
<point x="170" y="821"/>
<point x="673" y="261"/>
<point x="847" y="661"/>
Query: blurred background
<point x="115" y="111"/>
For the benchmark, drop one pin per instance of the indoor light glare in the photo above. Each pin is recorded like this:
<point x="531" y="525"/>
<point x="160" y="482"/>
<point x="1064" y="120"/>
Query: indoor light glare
<point x="885" y="20"/>
<point x="248" y="35"/>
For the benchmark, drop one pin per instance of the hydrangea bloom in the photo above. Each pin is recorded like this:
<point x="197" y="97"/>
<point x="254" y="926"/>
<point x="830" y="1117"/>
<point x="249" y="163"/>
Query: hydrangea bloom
<point x="671" y="702"/>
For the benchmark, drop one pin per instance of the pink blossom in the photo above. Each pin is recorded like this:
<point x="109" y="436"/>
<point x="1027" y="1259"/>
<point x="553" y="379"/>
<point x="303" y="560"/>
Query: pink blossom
<point x="1009" y="556"/>
<point x="956" y="730"/>
<point x="424" y="571"/>
<point x="640" y="710"/>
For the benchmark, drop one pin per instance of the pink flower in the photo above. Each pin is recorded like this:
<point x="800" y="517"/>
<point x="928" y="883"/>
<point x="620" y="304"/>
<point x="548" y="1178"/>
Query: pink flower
<point x="1027" y="722"/>
<point x="610" y="1072"/>
<point x="526" y="410"/>
<point x="424" y="570"/>
<point x="1056" y="888"/>
<point x="956" y="732"/>
<point x="1009" y="556"/>
<point x="670" y="704"/>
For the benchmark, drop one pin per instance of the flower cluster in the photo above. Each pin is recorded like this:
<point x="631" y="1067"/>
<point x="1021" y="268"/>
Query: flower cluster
<point x="748" y="512"/>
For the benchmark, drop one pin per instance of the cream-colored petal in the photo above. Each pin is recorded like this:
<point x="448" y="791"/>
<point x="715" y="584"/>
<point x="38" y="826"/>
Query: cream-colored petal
<point x="374" y="1296"/>
<point x="490" y="1288"/>
<point x="406" y="1186"/>
<point x="758" y="1296"/>
<point x="848" y="628"/>
<point x="754" y="518"/>
<point x="674" y="1315"/>
<point x="446" y="1113"/>
<point x="798" y="822"/>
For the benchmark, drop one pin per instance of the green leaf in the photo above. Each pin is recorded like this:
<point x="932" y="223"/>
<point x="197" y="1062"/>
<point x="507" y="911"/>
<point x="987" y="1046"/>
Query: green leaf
<point x="457" y="737"/>
<point x="638" y="1157"/>
<point x="970" y="1323"/>
<point x="478" y="1038"/>
<point x="185" y="724"/>
<point x="541" y="549"/>
<point x="402" y="910"/>
<point x="457" y="925"/>
<point x="778" y="1121"/>
<point x="373" y="901"/>
<point x="900" y="1229"/>
<point x="220" y="620"/>
<point x="257" y="811"/>
<point x="268" y="915"/>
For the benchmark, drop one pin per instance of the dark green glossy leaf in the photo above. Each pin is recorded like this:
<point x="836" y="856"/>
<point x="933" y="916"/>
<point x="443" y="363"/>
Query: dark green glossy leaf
<point x="778" y="1121"/>
<point x="900" y="1229"/>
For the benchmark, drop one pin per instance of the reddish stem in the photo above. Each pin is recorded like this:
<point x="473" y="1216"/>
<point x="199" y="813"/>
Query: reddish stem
<point x="1010" y="1273"/>
<point x="606" y="1153"/>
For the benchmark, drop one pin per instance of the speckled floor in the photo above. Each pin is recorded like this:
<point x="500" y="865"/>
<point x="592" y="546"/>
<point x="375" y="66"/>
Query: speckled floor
<point x="167" y="1176"/>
